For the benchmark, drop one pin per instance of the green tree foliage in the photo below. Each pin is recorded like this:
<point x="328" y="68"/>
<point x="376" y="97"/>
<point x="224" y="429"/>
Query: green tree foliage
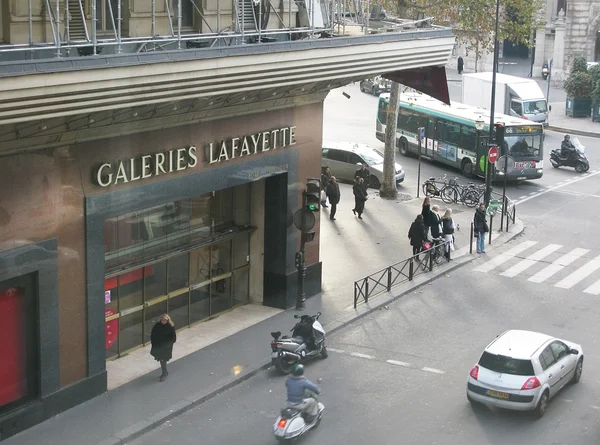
<point x="579" y="65"/>
<point x="579" y="83"/>
<point x="473" y="21"/>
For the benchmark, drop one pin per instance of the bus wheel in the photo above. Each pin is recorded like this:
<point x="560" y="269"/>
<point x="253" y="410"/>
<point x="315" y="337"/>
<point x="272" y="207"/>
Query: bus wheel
<point x="403" y="147"/>
<point x="467" y="168"/>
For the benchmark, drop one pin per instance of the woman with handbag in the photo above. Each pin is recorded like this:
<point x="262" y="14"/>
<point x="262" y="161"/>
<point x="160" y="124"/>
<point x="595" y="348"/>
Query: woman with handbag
<point x="448" y="231"/>
<point x="480" y="227"/>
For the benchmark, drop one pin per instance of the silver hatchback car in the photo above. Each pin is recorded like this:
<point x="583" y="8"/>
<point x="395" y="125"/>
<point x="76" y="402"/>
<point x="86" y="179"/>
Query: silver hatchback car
<point x="523" y="370"/>
<point x="344" y="158"/>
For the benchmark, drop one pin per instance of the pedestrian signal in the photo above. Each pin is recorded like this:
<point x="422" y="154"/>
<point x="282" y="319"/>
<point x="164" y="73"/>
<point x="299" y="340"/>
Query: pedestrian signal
<point x="313" y="194"/>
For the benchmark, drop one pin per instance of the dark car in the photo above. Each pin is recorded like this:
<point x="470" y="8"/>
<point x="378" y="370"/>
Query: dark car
<point x="376" y="85"/>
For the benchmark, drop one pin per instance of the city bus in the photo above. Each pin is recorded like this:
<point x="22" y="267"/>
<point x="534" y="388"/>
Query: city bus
<point x="451" y="136"/>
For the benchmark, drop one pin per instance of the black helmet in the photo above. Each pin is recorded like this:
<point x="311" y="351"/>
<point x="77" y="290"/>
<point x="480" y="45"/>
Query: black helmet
<point x="567" y="137"/>
<point x="298" y="370"/>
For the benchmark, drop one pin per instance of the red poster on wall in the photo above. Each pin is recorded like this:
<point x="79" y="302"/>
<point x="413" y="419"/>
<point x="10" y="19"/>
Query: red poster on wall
<point x="13" y="363"/>
<point x="112" y="328"/>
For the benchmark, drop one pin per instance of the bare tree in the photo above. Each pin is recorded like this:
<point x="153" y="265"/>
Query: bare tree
<point x="388" y="187"/>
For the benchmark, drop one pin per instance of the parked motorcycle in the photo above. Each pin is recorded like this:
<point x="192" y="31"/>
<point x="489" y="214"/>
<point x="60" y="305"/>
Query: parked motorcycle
<point x="545" y="71"/>
<point x="576" y="159"/>
<point x="307" y="342"/>
<point x="292" y="423"/>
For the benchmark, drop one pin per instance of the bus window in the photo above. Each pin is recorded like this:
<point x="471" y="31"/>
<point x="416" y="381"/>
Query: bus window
<point x="382" y="111"/>
<point x="449" y="132"/>
<point x="468" y="139"/>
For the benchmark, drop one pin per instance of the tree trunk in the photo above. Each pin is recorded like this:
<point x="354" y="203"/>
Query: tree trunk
<point x="388" y="187"/>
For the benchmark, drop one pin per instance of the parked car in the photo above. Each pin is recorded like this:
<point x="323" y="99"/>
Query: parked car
<point x="376" y="85"/>
<point x="523" y="370"/>
<point x="344" y="158"/>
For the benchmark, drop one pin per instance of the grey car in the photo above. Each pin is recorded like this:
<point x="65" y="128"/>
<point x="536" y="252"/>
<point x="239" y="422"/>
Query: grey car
<point x="344" y="158"/>
<point x="376" y="85"/>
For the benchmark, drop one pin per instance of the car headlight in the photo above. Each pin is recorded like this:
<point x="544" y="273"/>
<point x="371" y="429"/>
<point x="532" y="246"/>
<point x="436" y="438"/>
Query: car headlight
<point x="499" y="173"/>
<point x="539" y="170"/>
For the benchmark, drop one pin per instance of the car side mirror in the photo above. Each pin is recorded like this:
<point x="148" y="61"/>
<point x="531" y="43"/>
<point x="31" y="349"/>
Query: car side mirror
<point x="574" y="351"/>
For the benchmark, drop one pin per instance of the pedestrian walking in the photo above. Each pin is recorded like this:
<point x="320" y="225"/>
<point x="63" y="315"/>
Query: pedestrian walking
<point x="480" y="227"/>
<point x="425" y="211"/>
<point x="360" y="196"/>
<point x="417" y="235"/>
<point x="333" y="193"/>
<point x="434" y="222"/>
<point x="460" y="64"/>
<point x="325" y="178"/>
<point x="448" y="231"/>
<point x="363" y="173"/>
<point x="163" y="337"/>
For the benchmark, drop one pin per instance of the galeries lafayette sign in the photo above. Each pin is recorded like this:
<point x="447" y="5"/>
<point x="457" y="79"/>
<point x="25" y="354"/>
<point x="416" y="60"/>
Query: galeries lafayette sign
<point x="157" y="164"/>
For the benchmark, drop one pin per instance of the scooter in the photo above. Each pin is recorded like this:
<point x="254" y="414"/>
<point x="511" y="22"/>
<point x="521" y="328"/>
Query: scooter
<point x="292" y="423"/>
<point x="287" y="351"/>
<point x="577" y="159"/>
<point x="545" y="71"/>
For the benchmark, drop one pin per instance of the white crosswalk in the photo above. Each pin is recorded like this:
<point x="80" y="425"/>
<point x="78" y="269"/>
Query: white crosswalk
<point x="560" y="266"/>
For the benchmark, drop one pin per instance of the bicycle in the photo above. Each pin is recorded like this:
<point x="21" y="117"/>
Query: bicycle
<point x="430" y="187"/>
<point x="468" y="195"/>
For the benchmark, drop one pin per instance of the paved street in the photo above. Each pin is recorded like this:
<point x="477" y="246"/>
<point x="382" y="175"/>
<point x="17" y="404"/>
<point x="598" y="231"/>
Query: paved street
<point x="400" y="374"/>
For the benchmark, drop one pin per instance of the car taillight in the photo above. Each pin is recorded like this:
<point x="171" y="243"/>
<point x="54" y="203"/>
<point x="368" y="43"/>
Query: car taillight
<point x="282" y="423"/>
<point x="275" y="345"/>
<point x="474" y="372"/>
<point x="531" y="383"/>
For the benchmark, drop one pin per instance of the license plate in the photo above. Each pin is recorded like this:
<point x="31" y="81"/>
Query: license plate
<point x="500" y="395"/>
<point x="521" y="177"/>
<point x="524" y="165"/>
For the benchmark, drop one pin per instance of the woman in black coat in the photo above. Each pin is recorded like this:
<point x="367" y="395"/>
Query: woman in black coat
<point x="417" y="235"/>
<point x="360" y="196"/>
<point x="163" y="337"/>
<point x="425" y="211"/>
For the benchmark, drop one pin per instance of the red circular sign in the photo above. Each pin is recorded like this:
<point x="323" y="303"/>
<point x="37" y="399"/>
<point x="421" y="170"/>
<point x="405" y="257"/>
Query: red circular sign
<point x="493" y="154"/>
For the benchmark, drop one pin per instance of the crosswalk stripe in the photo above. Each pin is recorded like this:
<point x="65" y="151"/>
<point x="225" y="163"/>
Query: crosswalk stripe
<point x="580" y="274"/>
<point x="504" y="257"/>
<point x="558" y="265"/>
<point x="531" y="260"/>
<point x="594" y="289"/>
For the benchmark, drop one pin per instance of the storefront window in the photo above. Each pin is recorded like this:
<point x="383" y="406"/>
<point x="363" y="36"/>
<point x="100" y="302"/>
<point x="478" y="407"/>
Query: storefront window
<point x="240" y="294"/>
<point x="178" y="272"/>
<point x="143" y="235"/>
<point x="220" y="295"/>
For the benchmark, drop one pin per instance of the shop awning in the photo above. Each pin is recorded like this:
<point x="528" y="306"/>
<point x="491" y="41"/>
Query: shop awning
<point x="430" y="80"/>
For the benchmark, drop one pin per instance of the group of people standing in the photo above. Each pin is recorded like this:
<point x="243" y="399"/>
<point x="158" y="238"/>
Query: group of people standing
<point x="330" y="190"/>
<point x="429" y="222"/>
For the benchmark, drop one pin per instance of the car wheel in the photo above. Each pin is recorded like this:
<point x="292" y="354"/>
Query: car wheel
<point x="374" y="182"/>
<point x="467" y="168"/>
<point x="542" y="405"/>
<point x="579" y="168"/>
<point x="578" y="371"/>
<point x="403" y="147"/>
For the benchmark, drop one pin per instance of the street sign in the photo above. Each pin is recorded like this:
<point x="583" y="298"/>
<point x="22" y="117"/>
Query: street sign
<point x="503" y="162"/>
<point x="493" y="154"/>
<point x="422" y="133"/>
<point x="304" y="220"/>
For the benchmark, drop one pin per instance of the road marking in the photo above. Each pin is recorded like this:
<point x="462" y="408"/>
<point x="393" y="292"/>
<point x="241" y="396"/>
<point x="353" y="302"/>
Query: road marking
<point x="558" y="265"/>
<point x="522" y="197"/>
<point x="339" y="351"/>
<point x="594" y="406"/>
<point x="397" y="363"/>
<point x="568" y="400"/>
<point x="358" y="354"/>
<point x="549" y="189"/>
<point x="531" y="260"/>
<point x="594" y="289"/>
<point x="533" y="193"/>
<point x="503" y="258"/>
<point x="580" y="274"/>
<point x="432" y="370"/>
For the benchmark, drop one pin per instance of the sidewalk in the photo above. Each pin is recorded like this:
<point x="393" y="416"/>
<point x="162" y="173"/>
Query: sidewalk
<point x="351" y="249"/>
<point x="557" y="119"/>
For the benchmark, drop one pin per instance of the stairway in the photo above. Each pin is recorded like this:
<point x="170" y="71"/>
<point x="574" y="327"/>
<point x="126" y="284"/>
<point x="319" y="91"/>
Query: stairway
<point x="76" y="26"/>
<point x="246" y="10"/>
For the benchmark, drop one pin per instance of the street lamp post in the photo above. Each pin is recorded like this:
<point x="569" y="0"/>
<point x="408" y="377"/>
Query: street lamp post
<point x="489" y="171"/>
<point x="479" y="124"/>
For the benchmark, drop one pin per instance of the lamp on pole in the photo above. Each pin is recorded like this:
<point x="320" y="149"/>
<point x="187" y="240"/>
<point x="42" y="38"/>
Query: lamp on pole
<point x="479" y="124"/>
<point x="489" y="166"/>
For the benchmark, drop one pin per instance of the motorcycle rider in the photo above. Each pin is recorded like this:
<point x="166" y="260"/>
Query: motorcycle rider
<point x="566" y="147"/>
<point x="296" y="385"/>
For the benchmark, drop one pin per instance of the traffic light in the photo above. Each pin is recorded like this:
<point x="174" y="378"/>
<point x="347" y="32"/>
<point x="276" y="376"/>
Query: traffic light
<point x="299" y="260"/>
<point x="499" y="137"/>
<point x="313" y="194"/>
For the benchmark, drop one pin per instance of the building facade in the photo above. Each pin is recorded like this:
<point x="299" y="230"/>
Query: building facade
<point x="146" y="175"/>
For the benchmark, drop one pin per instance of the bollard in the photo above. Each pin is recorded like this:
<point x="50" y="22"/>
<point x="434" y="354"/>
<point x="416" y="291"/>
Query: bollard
<point x="430" y="261"/>
<point x="389" y="280"/>
<point x="471" y="240"/>
<point x="410" y="270"/>
<point x="366" y="290"/>
<point x="491" y="225"/>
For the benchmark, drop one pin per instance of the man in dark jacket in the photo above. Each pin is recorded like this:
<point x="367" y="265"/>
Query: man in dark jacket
<point x="333" y="193"/>
<point x="325" y="178"/>
<point x="360" y="196"/>
<point x="363" y="173"/>
<point x="460" y="64"/>
<point x="480" y="227"/>
<point x="417" y="235"/>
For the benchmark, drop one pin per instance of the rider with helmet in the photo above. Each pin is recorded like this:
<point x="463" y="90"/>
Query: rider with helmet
<point x="566" y="147"/>
<point x="296" y="386"/>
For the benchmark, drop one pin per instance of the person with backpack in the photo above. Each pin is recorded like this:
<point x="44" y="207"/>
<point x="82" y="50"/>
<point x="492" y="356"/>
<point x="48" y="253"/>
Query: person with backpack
<point x="417" y="235"/>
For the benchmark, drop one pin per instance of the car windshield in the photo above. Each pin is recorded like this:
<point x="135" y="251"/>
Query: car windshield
<point x="372" y="157"/>
<point x="506" y="365"/>
<point x="535" y="107"/>
<point x="523" y="145"/>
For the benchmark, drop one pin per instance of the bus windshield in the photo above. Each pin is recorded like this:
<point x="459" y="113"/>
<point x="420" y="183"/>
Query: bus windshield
<point x="523" y="145"/>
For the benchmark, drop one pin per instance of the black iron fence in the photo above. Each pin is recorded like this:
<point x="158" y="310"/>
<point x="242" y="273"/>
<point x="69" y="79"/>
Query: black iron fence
<point x="401" y="272"/>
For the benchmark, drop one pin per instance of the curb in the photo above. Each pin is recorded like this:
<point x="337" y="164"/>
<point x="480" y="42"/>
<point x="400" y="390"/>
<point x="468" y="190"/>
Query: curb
<point x="573" y="131"/>
<point x="145" y="426"/>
